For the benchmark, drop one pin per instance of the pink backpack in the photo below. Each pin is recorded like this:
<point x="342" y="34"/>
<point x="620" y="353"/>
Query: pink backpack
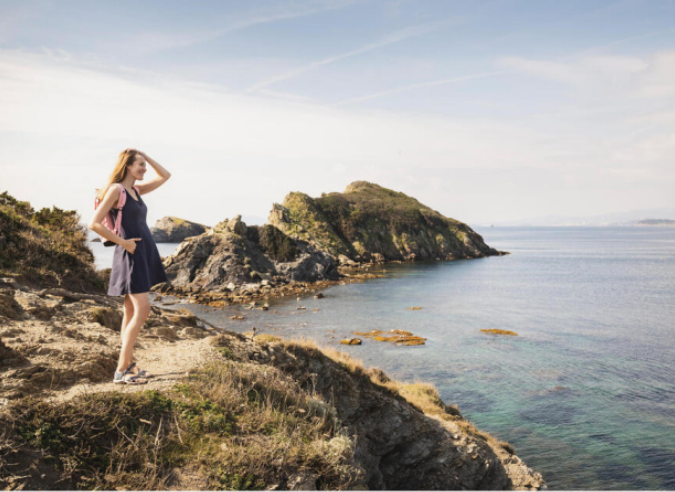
<point x="115" y="225"/>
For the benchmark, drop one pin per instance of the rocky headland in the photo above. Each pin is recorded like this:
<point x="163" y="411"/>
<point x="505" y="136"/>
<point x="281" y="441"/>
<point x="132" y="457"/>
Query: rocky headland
<point x="174" y="230"/>
<point x="368" y="222"/>
<point x="313" y="242"/>
<point x="224" y="411"/>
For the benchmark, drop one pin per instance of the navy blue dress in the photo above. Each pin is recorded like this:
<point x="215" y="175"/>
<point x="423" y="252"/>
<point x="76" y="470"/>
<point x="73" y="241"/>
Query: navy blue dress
<point x="137" y="272"/>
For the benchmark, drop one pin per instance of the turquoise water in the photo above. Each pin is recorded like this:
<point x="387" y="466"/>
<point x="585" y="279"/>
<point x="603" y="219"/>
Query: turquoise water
<point x="585" y="392"/>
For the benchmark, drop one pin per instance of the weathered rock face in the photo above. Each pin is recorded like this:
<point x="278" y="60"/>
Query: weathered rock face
<point x="369" y="222"/>
<point x="232" y="253"/>
<point x="175" y="230"/>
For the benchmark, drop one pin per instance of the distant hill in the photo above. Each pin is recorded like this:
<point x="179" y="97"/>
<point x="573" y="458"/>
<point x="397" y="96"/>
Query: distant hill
<point x="616" y="219"/>
<point x="657" y="222"/>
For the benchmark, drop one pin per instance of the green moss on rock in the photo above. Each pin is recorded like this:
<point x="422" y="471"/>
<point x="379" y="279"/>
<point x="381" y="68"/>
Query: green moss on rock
<point x="366" y="219"/>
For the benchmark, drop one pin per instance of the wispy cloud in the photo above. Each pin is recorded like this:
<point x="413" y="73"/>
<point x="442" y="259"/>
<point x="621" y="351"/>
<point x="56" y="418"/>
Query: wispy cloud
<point x="395" y="37"/>
<point x="559" y="70"/>
<point x="618" y="42"/>
<point x="147" y="43"/>
<point x="606" y="76"/>
<point x="420" y="85"/>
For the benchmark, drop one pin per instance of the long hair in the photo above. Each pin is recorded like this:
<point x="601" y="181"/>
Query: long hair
<point x="125" y="159"/>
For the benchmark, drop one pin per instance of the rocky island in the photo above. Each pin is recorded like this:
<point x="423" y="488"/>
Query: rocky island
<point x="307" y="240"/>
<point x="225" y="411"/>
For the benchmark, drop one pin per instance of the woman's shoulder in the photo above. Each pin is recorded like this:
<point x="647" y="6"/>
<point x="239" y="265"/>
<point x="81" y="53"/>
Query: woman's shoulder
<point x="114" y="190"/>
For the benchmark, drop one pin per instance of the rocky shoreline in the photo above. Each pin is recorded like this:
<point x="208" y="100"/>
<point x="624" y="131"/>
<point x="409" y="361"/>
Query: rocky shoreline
<point x="60" y="347"/>
<point x="258" y="293"/>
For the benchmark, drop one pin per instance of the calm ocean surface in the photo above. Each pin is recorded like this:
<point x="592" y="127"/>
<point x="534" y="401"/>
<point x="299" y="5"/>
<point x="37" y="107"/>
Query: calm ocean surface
<point x="585" y="392"/>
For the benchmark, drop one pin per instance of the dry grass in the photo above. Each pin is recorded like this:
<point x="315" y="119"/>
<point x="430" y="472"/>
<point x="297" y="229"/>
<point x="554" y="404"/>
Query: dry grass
<point x="267" y="338"/>
<point x="236" y="425"/>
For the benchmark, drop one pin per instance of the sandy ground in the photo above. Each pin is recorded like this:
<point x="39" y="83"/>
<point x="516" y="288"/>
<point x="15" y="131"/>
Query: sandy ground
<point x="168" y="362"/>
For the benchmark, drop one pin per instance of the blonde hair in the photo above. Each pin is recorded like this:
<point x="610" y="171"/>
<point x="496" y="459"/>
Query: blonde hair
<point x="125" y="159"/>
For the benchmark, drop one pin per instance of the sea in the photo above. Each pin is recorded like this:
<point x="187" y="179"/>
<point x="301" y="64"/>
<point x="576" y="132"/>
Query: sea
<point x="585" y="392"/>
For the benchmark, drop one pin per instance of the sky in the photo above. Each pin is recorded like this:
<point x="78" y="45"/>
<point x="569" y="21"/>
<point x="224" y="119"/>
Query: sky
<point x="486" y="111"/>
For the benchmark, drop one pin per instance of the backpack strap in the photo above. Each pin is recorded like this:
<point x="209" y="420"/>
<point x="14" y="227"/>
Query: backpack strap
<point x="120" y="203"/>
<point x="123" y="196"/>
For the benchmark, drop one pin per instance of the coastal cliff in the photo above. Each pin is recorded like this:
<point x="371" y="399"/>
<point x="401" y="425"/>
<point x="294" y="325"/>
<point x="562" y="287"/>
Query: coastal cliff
<point x="225" y="410"/>
<point x="368" y="222"/>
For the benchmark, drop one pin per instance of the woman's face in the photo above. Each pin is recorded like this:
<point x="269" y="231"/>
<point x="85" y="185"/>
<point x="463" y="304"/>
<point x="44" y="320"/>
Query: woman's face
<point x="137" y="169"/>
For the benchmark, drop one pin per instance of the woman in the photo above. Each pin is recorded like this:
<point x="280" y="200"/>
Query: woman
<point x="137" y="265"/>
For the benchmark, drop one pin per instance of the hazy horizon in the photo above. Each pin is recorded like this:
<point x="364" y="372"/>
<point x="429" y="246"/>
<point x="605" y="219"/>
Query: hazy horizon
<point x="491" y="111"/>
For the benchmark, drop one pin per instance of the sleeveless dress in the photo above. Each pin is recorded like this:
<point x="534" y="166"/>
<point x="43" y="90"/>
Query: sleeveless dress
<point x="137" y="272"/>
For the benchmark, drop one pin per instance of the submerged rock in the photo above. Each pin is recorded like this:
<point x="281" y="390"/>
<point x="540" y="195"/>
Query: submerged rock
<point x="496" y="331"/>
<point x="399" y="337"/>
<point x="351" y="341"/>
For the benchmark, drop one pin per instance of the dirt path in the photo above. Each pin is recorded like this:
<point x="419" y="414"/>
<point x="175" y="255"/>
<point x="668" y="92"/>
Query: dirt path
<point x="168" y="362"/>
<point x="57" y="346"/>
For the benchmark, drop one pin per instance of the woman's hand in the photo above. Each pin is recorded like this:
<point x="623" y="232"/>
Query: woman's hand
<point x="143" y="154"/>
<point x="130" y="244"/>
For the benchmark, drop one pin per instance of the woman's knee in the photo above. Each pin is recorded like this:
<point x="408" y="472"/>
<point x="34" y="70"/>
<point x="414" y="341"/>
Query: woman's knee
<point x="141" y="304"/>
<point x="128" y="305"/>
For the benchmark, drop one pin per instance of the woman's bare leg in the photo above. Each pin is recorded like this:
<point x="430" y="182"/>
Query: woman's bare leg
<point x="141" y="304"/>
<point x="128" y="313"/>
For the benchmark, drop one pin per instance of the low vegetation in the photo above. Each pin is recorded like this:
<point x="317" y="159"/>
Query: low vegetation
<point x="235" y="425"/>
<point x="47" y="247"/>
